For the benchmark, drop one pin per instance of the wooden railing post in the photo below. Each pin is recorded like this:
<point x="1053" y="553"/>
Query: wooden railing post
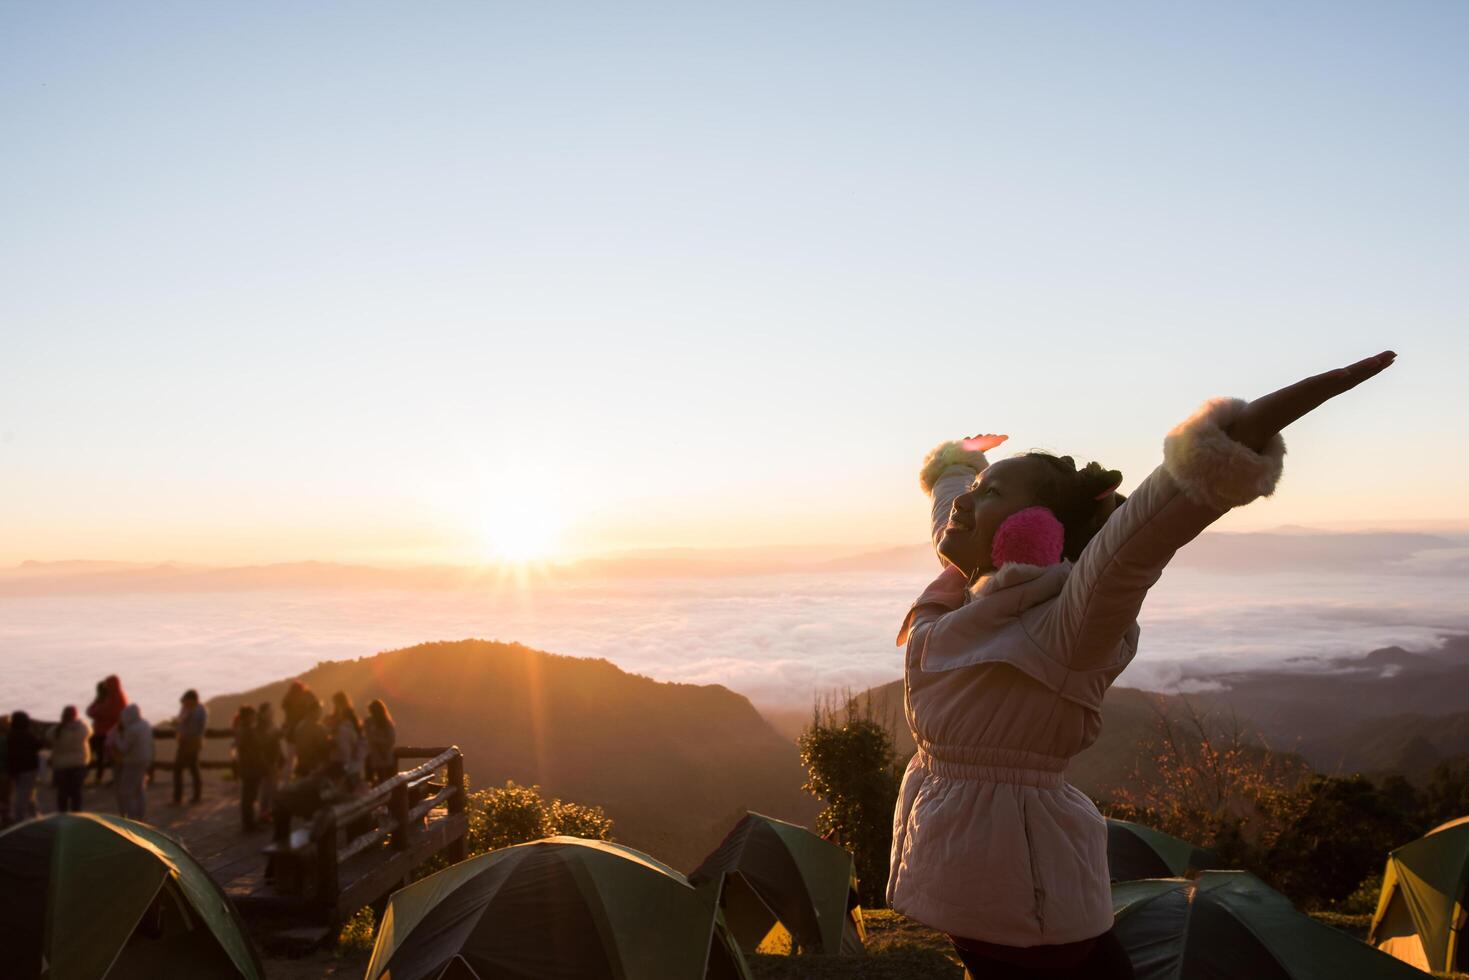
<point x="458" y="847"/>
<point x="456" y="779"/>
<point x="325" y="834"/>
<point x="398" y="810"/>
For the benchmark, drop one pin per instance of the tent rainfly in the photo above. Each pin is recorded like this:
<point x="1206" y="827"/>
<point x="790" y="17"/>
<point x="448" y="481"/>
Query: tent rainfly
<point x="555" y="909"/>
<point x="1135" y="852"/>
<point x="85" y="896"/>
<point x="1423" y="909"/>
<point x="1229" y="925"/>
<point x="769" y="876"/>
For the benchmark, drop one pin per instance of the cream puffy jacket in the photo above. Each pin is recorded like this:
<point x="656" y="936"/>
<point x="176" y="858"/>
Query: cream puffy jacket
<point x="69" y="748"/>
<point x="1003" y="684"/>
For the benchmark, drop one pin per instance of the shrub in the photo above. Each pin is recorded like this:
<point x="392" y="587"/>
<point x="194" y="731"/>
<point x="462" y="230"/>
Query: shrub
<point x="1214" y="785"/>
<point x="1342" y="836"/>
<point x="1362" y="901"/>
<point x="356" y="935"/>
<point x="852" y="767"/>
<point x="513" y="814"/>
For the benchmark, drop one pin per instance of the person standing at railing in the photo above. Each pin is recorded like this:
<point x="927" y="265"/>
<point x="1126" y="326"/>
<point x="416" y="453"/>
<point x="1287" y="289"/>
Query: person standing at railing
<point x="23" y="761"/>
<point x="270" y="756"/>
<point x="192" y="721"/>
<point x="309" y="738"/>
<point x="130" y="745"/>
<point x="70" y="754"/>
<point x="295" y="704"/>
<point x="4" y="772"/>
<point x="249" y="763"/>
<point x="105" y="711"/>
<point x="348" y="745"/>
<point x="381" y="736"/>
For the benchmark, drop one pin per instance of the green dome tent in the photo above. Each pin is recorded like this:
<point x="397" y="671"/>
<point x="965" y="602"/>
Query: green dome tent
<point x="768" y="872"/>
<point x="1135" y="852"/>
<point x="1423" y="908"/>
<point x="557" y="908"/>
<point x="1225" y="925"/>
<point x="85" y="896"/>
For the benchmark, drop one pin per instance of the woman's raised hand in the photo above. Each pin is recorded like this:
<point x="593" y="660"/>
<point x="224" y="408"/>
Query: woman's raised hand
<point x="1262" y="418"/>
<point x="983" y="442"/>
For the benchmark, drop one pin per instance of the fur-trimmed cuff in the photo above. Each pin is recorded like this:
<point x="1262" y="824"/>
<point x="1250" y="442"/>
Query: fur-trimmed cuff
<point x="948" y="454"/>
<point x="1215" y="470"/>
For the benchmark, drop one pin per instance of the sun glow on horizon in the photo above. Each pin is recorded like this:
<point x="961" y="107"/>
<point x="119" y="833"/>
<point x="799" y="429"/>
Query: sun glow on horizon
<point x="519" y="528"/>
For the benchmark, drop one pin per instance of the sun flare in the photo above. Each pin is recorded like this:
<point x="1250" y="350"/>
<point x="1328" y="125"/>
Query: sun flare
<point x="519" y="528"/>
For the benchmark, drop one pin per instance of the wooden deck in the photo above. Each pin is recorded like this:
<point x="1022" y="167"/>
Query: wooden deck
<point x="365" y="870"/>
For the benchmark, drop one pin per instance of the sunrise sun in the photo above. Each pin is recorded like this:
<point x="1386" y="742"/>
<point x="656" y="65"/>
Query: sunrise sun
<point x="518" y="527"/>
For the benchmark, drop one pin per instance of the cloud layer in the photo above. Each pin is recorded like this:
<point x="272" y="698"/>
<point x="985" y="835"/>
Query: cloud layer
<point x="780" y="639"/>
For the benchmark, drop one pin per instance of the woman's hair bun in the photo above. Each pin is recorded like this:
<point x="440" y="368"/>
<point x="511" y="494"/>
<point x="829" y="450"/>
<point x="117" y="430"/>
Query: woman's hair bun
<point x="1078" y="497"/>
<point x="1096" y="479"/>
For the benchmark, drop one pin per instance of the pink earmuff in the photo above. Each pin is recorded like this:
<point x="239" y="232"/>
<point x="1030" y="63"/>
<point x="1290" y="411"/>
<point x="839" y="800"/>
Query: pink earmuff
<point x="1029" y="537"/>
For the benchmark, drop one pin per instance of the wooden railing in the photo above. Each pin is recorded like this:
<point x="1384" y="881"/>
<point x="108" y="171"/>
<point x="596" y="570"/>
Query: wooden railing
<point x="398" y="811"/>
<point x="167" y="734"/>
<point x="171" y="735"/>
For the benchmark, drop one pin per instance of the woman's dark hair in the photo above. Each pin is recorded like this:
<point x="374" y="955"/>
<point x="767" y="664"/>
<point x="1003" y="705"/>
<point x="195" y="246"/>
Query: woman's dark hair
<point x="68" y="714"/>
<point x="1078" y="498"/>
<point x="376" y="709"/>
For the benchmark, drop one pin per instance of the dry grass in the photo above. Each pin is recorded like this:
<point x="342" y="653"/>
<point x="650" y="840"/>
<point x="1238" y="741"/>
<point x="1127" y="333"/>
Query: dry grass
<point x="897" y="949"/>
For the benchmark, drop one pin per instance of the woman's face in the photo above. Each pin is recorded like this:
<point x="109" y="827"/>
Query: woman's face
<point x="1005" y="488"/>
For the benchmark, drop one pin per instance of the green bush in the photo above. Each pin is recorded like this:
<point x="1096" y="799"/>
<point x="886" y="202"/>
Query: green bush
<point x="1342" y="837"/>
<point x="1363" y="901"/>
<point x="356" y="936"/>
<point x="851" y="766"/>
<point x="514" y="814"/>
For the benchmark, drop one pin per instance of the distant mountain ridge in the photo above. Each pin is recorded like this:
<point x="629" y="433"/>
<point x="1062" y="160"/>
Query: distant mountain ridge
<point x="674" y="765"/>
<point x="1228" y="552"/>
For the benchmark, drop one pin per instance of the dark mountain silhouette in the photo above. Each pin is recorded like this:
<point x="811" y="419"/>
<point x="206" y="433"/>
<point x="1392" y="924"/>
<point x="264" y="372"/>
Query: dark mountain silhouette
<point x="674" y="765"/>
<point x="1317" y="702"/>
<point x="1411" y="744"/>
<point x="1245" y="552"/>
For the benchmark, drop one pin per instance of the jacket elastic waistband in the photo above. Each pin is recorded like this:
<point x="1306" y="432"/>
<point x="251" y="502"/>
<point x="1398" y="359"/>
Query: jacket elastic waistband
<point x="985" y="773"/>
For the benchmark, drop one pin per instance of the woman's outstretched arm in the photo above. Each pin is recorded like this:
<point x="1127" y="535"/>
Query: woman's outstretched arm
<point x="1226" y="455"/>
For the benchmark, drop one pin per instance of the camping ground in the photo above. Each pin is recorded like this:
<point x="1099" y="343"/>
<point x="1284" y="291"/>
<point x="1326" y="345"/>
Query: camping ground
<point x="898" y="949"/>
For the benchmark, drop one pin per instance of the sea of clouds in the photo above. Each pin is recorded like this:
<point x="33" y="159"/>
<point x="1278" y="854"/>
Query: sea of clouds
<point x="780" y="639"/>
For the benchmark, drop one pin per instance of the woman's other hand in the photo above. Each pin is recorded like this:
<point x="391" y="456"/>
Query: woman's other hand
<point x="1262" y="418"/>
<point x="982" y="443"/>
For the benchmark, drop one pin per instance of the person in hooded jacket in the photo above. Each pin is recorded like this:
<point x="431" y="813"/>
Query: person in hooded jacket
<point x="105" y="711"/>
<point x="130" y="744"/>
<point x="1009" y="653"/>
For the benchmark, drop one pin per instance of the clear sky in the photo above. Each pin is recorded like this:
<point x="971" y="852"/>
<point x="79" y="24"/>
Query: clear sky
<point x="382" y="282"/>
